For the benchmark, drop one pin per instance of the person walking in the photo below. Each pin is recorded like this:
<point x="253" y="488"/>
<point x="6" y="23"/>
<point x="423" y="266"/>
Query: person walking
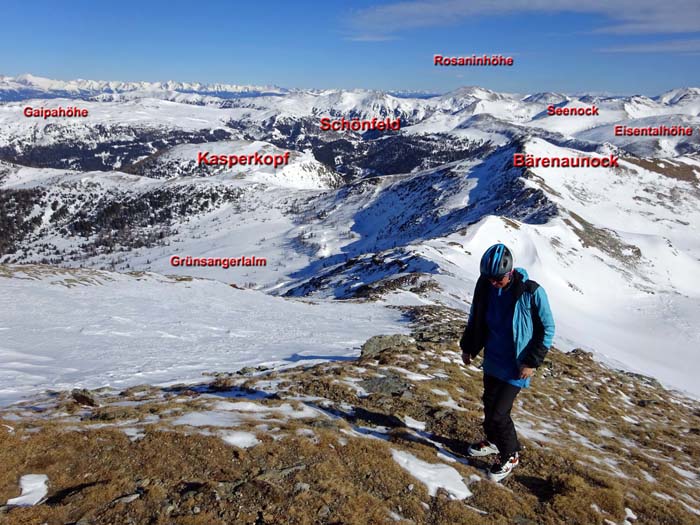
<point x="511" y="319"/>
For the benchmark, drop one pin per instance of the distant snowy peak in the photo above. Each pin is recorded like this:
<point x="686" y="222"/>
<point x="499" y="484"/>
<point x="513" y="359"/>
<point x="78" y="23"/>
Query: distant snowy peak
<point x="639" y="106"/>
<point x="476" y="92"/>
<point x="354" y="100"/>
<point x="302" y="171"/>
<point x="30" y="86"/>
<point x="469" y="95"/>
<point x="546" y="98"/>
<point x="680" y="96"/>
<point x="414" y="94"/>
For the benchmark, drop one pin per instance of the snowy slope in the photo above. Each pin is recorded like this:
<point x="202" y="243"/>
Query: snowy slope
<point x="144" y="112"/>
<point x="649" y="146"/>
<point x="227" y="214"/>
<point x="91" y="329"/>
<point x="302" y="171"/>
<point x="615" y="263"/>
<point x="614" y="259"/>
<point x="595" y="308"/>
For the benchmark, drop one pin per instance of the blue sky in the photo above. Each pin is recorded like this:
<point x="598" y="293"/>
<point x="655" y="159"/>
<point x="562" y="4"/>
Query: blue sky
<point x="617" y="46"/>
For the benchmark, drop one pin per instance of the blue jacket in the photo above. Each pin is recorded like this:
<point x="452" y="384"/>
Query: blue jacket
<point x="533" y="324"/>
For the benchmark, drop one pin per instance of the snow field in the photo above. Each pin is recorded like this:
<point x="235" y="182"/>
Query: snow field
<point x="88" y="329"/>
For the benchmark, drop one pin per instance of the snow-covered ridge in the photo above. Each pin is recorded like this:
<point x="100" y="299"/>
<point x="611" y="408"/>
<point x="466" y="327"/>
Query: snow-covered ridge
<point x="28" y="86"/>
<point x="291" y="116"/>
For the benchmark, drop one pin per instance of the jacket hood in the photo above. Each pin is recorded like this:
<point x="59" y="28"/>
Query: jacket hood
<point x="523" y="272"/>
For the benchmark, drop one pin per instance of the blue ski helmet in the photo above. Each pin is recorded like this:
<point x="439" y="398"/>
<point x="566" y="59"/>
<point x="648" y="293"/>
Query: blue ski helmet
<point x="496" y="261"/>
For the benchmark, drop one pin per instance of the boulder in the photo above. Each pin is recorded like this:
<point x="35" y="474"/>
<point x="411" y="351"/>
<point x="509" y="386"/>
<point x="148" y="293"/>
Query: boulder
<point x="380" y="343"/>
<point x="84" y="397"/>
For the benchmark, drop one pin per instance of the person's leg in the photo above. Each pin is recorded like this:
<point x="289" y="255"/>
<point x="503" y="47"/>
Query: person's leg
<point x="501" y="424"/>
<point x="490" y="398"/>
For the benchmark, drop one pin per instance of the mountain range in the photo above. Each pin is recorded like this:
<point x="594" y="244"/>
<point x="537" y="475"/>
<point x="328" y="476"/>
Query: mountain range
<point x="399" y="217"/>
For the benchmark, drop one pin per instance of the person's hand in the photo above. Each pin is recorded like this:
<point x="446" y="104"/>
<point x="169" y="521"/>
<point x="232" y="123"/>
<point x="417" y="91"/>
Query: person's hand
<point x="467" y="358"/>
<point x="526" y="371"/>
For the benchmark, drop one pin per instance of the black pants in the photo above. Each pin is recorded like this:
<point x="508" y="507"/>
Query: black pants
<point x="498" y="401"/>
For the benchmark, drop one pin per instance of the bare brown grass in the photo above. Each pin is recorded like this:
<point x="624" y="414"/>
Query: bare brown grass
<point x="597" y="442"/>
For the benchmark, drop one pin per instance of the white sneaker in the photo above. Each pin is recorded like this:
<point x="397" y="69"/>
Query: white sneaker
<point x="482" y="448"/>
<point x="501" y="468"/>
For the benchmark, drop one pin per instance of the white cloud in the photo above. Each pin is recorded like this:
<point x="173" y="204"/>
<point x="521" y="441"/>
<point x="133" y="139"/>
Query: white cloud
<point x="620" y="16"/>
